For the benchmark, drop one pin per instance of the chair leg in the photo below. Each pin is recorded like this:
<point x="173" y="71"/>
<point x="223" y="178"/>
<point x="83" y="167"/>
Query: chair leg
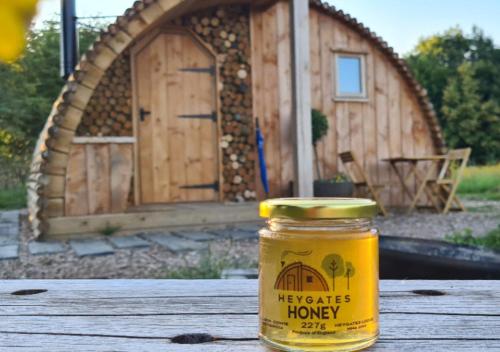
<point x="451" y="197"/>
<point x="379" y="204"/>
<point x="417" y="196"/>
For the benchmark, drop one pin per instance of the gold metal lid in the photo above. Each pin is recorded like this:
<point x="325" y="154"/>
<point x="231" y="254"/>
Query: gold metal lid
<point x="318" y="208"/>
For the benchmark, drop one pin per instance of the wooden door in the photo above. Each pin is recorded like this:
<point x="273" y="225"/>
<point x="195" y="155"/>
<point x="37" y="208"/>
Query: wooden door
<point x="176" y="121"/>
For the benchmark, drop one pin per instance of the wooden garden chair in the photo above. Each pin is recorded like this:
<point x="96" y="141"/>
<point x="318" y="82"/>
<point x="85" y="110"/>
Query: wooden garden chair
<point x="443" y="188"/>
<point x="360" y="180"/>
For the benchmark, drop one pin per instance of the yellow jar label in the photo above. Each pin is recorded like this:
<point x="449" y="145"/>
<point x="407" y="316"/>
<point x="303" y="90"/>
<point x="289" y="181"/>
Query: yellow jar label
<point x="317" y="289"/>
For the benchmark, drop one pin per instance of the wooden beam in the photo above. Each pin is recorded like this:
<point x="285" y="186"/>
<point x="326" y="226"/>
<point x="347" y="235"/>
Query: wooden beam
<point x="103" y="140"/>
<point x="301" y="98"/>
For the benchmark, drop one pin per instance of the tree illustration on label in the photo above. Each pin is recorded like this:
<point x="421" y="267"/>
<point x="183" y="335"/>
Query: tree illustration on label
<point x="333" y="264"/>
<point x="349" y="272"/>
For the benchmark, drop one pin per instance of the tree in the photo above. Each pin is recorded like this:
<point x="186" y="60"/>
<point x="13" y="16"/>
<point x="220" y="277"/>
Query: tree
<point x="470" y="120"/>
<point x="28" y="88"/>
<point x="438" y="63"/>
<point x="350" y="271"/>
<point x="333" y="264"/>
<point x="319" y="130"/>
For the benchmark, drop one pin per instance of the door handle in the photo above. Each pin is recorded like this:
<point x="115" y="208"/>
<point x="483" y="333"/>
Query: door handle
<point x="143" y="113"/>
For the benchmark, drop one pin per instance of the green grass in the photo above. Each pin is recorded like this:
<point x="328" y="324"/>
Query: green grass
<point x="481" y="182"/>
<point x="109" y="230"/>
<point x="14" y="198"/>
<point x="491" y="240"/>
<point x="209" y="267"/>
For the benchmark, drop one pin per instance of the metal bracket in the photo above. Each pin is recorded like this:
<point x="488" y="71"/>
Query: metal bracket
<point x="212" y="116"/>
<point x="210" y="70"/>
<point x="214" y="186"/>
<point x="143" y="113"/>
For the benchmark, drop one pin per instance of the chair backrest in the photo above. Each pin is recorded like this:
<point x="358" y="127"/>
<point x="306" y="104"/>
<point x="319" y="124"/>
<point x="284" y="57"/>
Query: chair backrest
<point x="455" y="158"/>
<point x="353" y="168"/>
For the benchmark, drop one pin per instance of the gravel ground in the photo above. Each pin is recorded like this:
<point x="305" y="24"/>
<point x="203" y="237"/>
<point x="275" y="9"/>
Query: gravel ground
<point x="157" y="262"/>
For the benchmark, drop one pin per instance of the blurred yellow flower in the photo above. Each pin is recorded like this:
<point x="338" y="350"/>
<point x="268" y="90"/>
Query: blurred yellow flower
<point x="15" y="17"/>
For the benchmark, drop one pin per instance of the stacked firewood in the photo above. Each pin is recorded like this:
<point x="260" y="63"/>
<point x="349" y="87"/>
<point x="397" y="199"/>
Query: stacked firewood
<point x="226" y="30"/>
<point x="109" y="111"/>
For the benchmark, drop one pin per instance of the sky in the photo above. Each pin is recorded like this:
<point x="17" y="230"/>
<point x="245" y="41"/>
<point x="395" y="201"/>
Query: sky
<point x="400" y="22"/>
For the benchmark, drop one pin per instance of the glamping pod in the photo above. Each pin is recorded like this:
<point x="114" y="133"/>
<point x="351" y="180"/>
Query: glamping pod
<point x="162" y="109"/>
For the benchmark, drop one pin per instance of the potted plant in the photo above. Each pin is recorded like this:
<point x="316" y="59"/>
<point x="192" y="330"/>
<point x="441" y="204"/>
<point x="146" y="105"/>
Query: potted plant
<point x="337" y="186"/>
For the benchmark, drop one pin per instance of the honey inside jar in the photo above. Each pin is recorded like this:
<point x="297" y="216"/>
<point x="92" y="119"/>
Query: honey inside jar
<point x="318" y="274"/>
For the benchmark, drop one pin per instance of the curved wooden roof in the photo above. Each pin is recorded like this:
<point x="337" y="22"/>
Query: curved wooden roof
<point x="48" y="167"/>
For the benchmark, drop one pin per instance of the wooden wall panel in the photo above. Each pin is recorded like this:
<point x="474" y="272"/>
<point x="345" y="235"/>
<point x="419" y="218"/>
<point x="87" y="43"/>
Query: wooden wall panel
<point x="76" y="200"/>
<point x="389" y="123"/>
<point x="382" y="134"/>
<point x="98" y="179"/>
<point x="121" y="175"/>
<point x="285" y="98"/>
<point x="270" y="37"/>
<point x="329" y="159"/>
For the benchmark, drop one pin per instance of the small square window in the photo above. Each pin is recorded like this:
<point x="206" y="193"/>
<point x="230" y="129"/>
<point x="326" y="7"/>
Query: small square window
<point x="309" y="279"/>
<point x="349" y="73"/>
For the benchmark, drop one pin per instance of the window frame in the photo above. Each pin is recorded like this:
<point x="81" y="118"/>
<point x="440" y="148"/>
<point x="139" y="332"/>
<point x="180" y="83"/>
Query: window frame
<point x="363" y="96"/>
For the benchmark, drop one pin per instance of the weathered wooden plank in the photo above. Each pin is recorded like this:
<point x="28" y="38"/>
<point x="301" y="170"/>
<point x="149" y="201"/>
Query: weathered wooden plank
<point x="316" y="85"/>
<point x="132" y="296"/>
<point x="144" y="133"/>
<point x="270" y="100"/>
<point x="285" y="97"/>
<point x="369" y="117"/>
<point x="146" y="314"/>
<point x="176" y="127"/>
<point x="407" y="141"/>
<point x="61" y="343"/>
<point x="103" y="140"/>
<point x="256" y="30"/>
<point x="301" y="98"/>
<point x="160" y="119"/>
<point x="244" y="326"/>
<point x="98" y="178"/>
<point x="162" y="302"/>
<point x="92" y="224"/>
<point x="394" y="123"/>
<point x="121" y="175"/>
<point x="76" y="199"/>
<point x="329" y="144"/>
<point x="382" y="116"/>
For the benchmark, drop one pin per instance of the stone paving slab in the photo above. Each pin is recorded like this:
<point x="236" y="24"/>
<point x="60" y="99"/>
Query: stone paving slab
<point x="196" y="235"/>
<point x="127" y="242"/>
<point x="9" y="252"/>
<point x="8" y="234"/>
<point x="11" y="217"/>
<point x="39" y="248"/>
<point x="91" y="247"/>
<point x="174" y="243"/>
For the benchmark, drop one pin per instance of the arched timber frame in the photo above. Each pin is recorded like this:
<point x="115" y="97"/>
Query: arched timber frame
<point x="46" y="183"/>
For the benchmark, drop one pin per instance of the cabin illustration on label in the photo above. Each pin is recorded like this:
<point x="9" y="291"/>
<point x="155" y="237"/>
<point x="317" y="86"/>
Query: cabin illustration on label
<point x="300" y="277"/>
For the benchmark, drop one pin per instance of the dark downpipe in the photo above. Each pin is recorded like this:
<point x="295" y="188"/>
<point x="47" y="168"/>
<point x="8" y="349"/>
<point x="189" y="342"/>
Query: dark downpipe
<point x="69" y="39"/>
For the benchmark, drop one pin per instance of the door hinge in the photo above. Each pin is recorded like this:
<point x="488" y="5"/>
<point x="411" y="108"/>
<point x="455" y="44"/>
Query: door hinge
<point x="210" y="70"/>
<point x="214" y="186"/>
<point x="212" y="116"/>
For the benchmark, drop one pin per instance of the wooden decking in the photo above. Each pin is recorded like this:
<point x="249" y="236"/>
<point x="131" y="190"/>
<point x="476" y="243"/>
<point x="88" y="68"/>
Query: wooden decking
<point x="149" y="315"/>
<point x="155" y="216"/>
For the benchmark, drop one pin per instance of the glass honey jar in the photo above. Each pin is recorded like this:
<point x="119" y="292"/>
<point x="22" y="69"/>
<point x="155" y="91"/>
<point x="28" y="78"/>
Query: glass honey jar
<point x="318" y="274"/>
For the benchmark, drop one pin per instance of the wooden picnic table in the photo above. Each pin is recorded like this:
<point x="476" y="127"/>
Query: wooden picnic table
<point x="149" y="315"/>
<point x="412" y="162"/>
